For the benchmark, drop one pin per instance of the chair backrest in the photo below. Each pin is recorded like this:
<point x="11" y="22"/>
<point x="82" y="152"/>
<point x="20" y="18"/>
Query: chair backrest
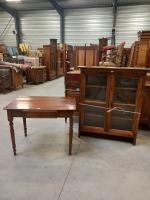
<point x="15" y="51"/>
<point x="9" y="51"/>
<point x="119" y="54"/>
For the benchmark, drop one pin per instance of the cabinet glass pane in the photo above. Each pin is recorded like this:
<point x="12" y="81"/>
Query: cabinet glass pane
<point x="94" y="116"/>
<point x="122" y="120"/>
<point x="126" y="82"/>
<point x="125" y="90"/>
<point x="96" y="87"/>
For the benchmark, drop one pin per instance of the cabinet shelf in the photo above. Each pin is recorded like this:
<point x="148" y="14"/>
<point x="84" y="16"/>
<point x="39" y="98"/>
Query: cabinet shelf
<point x="126" y="88"/>
<point x="94" y="102"/>
<point x="95" y="86"/>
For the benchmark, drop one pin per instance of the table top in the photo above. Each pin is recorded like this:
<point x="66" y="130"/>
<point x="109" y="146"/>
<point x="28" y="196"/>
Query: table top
<point x="42" y="103"/>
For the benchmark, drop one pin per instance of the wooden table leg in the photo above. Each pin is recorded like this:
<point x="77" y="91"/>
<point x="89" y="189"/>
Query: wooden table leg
<point x="70" y="133"/>
<point x="25" y="126"/>
<point x="65" y="119"/>
<point x="12" y="133"/>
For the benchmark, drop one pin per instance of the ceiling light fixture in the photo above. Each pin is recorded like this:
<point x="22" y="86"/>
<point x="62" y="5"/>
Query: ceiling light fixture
<point x="13" y="0"/>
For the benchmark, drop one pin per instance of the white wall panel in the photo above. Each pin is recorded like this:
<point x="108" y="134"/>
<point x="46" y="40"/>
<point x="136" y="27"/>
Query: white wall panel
<point x="39" y="26"/>
<point x="6" y="35"/>
<point x="131" y="19"/>
<point x="87" y="25"/>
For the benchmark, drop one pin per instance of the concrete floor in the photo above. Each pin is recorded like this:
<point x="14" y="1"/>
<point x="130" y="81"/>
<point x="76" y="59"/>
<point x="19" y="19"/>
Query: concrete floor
<point x="99" y="169"/>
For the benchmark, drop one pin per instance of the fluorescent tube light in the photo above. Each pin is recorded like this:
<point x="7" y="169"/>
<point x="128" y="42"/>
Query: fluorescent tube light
<point x="13" y="0"/>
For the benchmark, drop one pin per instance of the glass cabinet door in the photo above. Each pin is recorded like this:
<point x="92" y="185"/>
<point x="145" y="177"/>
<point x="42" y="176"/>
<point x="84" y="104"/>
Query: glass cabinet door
<point x="122" y="120"/>
<point x="125" y="90"/>
<point x="95" y="88"/>
<point x="124" y="99"/>
<point x="94" y="116"/>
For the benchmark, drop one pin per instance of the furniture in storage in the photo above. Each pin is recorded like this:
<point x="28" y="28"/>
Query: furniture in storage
<point x="50" y="59"/>
<point x="102" y="43"/>
<point x="32" y="61"/>
<point x="5" y="79"/>
<point x="40" y="107"/>
<point x="60" y="60"/>
<point x="111" y="100"/>
<point x="140" y="54"/>
<point x="72" y="86"/>
<point x="37" y="75"/>
<point x="81" y="56"/>
<point x="86" y="56"/>
<point x="16" y="76"/>
<point x="145" y="115"/>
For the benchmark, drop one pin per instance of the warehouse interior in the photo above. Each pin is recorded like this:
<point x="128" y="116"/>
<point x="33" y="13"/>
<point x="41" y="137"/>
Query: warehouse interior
<point x="74" y="99"/>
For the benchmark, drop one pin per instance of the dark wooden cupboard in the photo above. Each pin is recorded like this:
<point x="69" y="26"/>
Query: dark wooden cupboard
<point x="111" y="100"/>
<point x="50" y="59"/>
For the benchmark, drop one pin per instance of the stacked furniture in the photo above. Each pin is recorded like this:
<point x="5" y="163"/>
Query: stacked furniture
<point x="50" y="59"/>
<point x="144" y="35"/>
<point x="81" y="55"/>
<point x="12" y="55"/>
<point x="111" y="100"/>
<point x="86" y="56"/>
<point x="140" y="54"/>
<point x="140" y="51"/>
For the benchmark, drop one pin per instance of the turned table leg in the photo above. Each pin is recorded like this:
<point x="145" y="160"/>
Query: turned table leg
<point x="70" y="133"/>
<point x="12" y="133"/>
<point x="25" y="126"/>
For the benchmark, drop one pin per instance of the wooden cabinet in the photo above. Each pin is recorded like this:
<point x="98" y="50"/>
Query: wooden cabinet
<point x="50" y="59"/>
<point x="37" y="75"/>
<point x="111" y="100"/>
<point x="72" y="86"/>
<point x="60" y="61"/>
<point x="86" y="56"/>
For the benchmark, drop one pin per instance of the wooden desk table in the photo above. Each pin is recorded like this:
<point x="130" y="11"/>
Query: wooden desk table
<point x="40" y="107"/>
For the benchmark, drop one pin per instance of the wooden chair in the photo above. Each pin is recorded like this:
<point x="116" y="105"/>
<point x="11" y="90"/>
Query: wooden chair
<point x="115" y="58"/>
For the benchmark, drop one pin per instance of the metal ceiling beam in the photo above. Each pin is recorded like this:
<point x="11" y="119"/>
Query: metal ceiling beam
<point x="11" y="11"/>
<point x="115" y="4"/>
<point x="57" y="7"/>
<point x="60" y="11"/>
<point x="15" y="15"/>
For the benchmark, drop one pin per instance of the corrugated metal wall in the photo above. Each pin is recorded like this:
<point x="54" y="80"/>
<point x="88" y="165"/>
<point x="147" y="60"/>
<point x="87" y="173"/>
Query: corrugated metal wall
<point x="87" y="25"/>
<point x="131" y="19"/>
<point x="39" y="26"/>
<point x="81" y="25"/>
<point x="6" y="29"/>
